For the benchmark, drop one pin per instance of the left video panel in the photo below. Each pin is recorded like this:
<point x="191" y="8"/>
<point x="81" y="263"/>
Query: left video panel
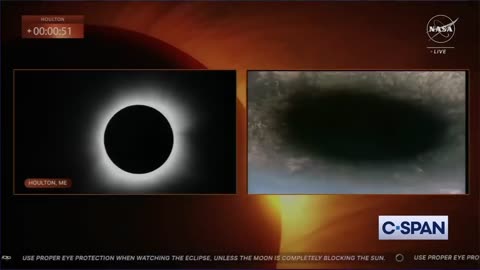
<point x="124" y="132"/>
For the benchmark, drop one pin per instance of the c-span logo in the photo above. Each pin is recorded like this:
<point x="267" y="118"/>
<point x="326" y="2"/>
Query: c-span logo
<point x="441" y="29"/>
<point x="413" y="227"/>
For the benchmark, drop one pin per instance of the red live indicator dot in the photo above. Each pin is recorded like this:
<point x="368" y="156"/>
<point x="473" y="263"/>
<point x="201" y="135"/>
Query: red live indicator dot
<point x="48" y="183"/>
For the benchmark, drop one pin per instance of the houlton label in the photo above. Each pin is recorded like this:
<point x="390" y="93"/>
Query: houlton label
<point x="52" y="26"/>
<point x="48" y="183"/>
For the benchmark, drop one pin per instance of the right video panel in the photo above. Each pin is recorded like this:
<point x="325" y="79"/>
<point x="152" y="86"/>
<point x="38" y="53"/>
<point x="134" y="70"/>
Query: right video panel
<point x="357" y="132"/>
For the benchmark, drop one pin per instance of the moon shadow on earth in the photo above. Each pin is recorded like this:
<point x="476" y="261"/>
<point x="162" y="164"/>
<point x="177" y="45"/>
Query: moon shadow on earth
<point x="355" y="125"/>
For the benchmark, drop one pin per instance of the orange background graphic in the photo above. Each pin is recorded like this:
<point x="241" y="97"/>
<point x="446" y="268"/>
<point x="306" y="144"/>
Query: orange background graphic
<point x="301" y="35"/>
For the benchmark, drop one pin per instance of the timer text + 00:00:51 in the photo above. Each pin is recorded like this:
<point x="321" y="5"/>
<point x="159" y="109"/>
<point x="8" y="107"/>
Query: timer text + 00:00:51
<point x="52" y="31"/>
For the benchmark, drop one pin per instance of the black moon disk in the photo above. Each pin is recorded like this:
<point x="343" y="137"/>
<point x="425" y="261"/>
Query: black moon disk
<point x="138" y="139"/>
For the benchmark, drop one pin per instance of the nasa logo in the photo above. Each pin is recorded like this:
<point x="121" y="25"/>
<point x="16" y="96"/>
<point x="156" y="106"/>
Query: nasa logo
<point x="413" y="227"/>
<point x="441" y="29"/>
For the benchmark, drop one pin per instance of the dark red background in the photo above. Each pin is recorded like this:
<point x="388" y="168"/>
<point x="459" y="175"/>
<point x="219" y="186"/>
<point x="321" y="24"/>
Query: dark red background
<point x="266" y="35"/>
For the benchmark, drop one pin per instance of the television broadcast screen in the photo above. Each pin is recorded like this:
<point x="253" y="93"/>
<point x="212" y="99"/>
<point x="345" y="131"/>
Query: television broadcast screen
<point x="242" y="134"/>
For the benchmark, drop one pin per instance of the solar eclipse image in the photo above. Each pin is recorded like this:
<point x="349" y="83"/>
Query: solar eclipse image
<point x="126" y="131"/>
<point x="129" y="141"/>
<point x="357" y="132"/>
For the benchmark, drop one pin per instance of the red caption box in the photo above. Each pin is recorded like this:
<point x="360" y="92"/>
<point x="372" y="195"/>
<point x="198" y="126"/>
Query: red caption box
<point x="52" y="26"/>
<point x="48" y="183"/>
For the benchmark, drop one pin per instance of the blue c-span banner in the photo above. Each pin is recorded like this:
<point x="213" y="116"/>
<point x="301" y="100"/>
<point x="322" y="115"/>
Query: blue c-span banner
<point x="413" y="227"/>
